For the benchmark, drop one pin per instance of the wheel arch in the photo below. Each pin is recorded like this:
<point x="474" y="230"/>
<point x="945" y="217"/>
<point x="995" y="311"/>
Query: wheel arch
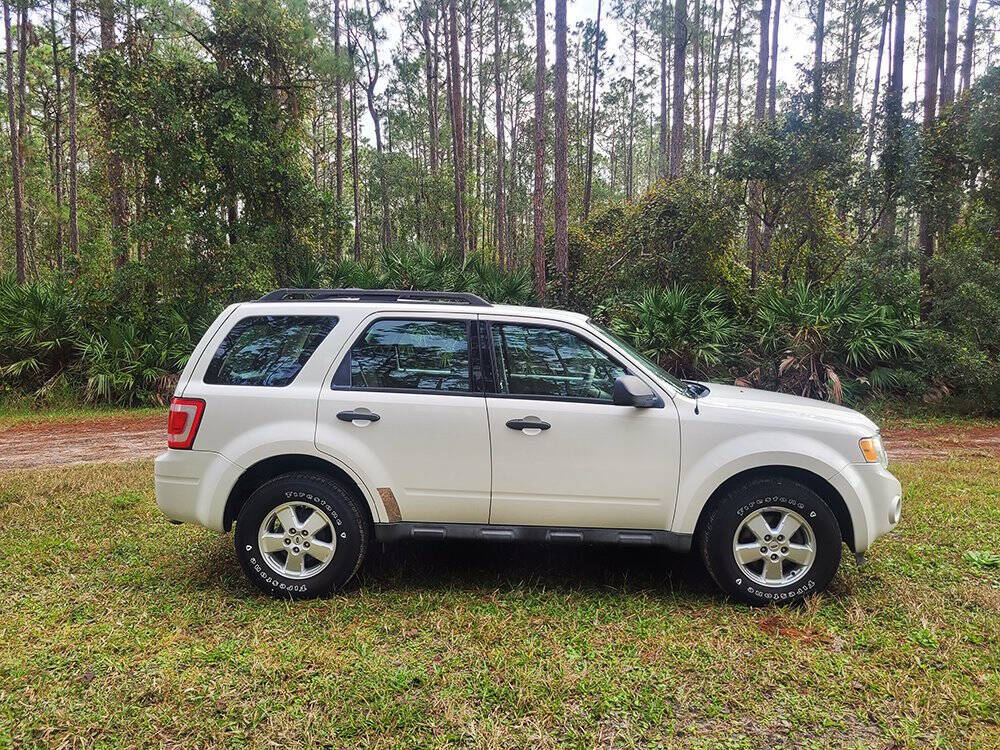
<point x="272" y="466"/>
<point x="810" y="479"/>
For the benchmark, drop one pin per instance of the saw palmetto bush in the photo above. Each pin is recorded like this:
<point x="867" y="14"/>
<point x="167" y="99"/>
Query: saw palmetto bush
<point x="40" y="330"/>
<point x="415" y="266"/>
<point x="686" y="330"/>
<point x="56" y="334"/>
<point x="828" y="341"/>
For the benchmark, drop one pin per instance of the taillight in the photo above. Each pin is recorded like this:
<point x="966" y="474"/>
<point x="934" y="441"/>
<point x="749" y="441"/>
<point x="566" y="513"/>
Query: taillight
<point x="182" y="422"/>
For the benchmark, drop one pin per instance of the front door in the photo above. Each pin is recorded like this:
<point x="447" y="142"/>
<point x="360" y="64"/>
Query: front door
<point x="406" y="411"/>
<point x="563" y="453"/>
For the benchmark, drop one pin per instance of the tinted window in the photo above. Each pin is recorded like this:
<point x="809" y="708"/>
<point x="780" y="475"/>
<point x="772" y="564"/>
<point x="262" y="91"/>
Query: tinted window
<point x="428" y="355"/>
<point x="536" y="361"/>
<point x="268" y="349"/>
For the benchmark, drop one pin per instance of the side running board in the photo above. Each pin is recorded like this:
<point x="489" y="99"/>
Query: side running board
<point x="393" y="532"/>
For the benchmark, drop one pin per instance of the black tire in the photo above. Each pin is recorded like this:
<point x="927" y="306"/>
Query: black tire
<point x="350" y="524"/>
<point x="720" y="528"/>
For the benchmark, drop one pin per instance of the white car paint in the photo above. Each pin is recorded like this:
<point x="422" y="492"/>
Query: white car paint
<point x="450" y="459"/>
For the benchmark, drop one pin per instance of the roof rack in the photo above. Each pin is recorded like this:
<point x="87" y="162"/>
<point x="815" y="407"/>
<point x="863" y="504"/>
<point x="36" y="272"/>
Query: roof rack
<point x="373" y="295"/>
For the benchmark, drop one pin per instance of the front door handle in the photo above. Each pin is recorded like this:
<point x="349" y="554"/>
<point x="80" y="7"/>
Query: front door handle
<point x="358" y="416"/>
<point x="528" y="424"/>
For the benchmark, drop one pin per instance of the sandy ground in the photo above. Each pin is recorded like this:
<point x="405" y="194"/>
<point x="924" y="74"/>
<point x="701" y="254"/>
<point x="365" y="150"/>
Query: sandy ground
<point x="130" y="438"/>
<point x="105" y="439"/>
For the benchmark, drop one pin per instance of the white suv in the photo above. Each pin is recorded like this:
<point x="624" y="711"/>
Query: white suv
<point x="318" y="420"/>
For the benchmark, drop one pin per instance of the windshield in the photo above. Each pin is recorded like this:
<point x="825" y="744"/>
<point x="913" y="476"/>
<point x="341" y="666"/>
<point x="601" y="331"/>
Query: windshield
<point x="646" y="361"/>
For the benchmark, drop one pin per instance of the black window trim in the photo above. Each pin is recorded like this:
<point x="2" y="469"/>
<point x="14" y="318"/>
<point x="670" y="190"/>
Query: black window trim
<point x="229" y="329"/>
<point x="472" y="335"/>
<point x="490" y="352"/>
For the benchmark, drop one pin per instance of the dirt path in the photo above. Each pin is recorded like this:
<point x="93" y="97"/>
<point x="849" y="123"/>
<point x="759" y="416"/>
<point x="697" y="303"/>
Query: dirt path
<point x="128" y="438"/>
<point x="103" y="439"/>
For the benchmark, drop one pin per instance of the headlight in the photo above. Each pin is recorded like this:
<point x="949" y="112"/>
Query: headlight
<point x="873" y="450"/>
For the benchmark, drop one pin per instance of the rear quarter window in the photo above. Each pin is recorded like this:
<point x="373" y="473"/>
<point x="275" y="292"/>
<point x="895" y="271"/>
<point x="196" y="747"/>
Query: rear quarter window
<point x="267" y="350"/>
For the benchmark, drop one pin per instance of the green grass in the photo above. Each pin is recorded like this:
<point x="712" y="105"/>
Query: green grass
<point x="20" y="414"/>
<point x="119" y="629"/>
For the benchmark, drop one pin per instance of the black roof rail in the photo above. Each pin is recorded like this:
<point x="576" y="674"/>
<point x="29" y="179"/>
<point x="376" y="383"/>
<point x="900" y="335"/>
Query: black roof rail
<point x="373" y="295"/>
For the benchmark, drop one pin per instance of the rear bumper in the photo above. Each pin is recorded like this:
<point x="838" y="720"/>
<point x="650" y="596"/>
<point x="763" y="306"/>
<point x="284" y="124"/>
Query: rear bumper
<point x="193" y="486"/>
<point x="874" y="497"/>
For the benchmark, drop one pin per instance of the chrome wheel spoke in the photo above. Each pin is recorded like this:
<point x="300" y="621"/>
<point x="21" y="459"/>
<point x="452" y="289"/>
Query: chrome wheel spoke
<point x="322" y="551"/>
<point x="287" y="518"/>
<point x="314" y="523"/>
<point x="758" y="526"/>
<point x="272" y="542"/>
<point x="773" y="570"/>
<point x="800" y="554"/>
<point x="788" y="526"/>
<point x="748" y="553"/>
<point x="294" y="563"/>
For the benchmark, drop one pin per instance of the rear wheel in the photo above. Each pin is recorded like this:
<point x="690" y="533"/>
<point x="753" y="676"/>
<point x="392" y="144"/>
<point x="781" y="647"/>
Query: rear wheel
<point x="771" y="541"/>
<point x="301" y="535"/>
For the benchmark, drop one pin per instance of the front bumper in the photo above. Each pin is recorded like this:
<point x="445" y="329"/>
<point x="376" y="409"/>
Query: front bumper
<point x="874" y="498"/>
<point x="193" y="486"/>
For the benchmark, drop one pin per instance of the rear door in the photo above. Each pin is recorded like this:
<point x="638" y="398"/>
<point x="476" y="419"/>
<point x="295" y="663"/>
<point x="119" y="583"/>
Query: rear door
<point x="589" y="462"/>
<point x="406" y="409"/>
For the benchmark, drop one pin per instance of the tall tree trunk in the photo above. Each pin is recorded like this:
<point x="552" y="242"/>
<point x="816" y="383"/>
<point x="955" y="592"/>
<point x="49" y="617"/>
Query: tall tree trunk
<point x="561" y="187"/>
<point x="853" y="51"/>
<point x="932" y="57"/>
<point x="820" y="35"/>
<point x="772" y="92"/>
<point x="738" y="42"/>
<point x="713" y="88"/>
<point x="15" y="150"/>
<point x="968" y="45"/>
<point x="501" y="200"/>
<point x="664" y="157"/>
<point x="733" y="50"/>
<point x="23" y="41"/>
<point x="374" y="68"/>
<point x="74" y="226"/>
<point x="115" y="167"/>
<point x="696" y="84"/>
<point x="760" y="104"/>
<point x="588" y="184"/>
<point x="630" y="151"/>
<point x="677" y="95"/>
<point x="58" y="136"/>
<point x="355" y="180"/>
<point x="339" y="92"/>
<point x="430" y="74"/>
<point x="538" y="198"/>
<point x="950" y="56"/>
<point x="870" y="144"/>
<point x="458" y="124"/>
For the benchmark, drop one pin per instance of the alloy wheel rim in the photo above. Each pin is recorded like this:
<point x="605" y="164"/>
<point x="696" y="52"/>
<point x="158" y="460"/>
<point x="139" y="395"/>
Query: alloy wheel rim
<point x="297" y="540"/>
<point x="774" y="547"/>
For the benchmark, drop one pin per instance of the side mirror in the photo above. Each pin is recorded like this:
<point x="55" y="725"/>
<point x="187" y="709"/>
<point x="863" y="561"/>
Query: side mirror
<point x="632" y="391"/>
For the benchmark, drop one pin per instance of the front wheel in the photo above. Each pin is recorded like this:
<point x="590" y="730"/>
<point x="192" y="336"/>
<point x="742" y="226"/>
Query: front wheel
<point x="771" y="541"/>
<point x="300" y="535"/>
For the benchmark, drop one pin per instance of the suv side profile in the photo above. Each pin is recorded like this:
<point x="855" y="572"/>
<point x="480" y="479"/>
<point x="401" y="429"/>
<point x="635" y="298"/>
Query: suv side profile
<point x="319" y="420"/>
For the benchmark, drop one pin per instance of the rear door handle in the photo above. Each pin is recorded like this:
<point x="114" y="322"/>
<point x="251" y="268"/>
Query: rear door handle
<point x="358" y="416"/>
<point x="528" y="424"/>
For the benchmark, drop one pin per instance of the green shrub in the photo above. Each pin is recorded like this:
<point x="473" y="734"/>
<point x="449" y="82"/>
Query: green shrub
<point x="686" y="331"/>
<point x="825" y="340"/>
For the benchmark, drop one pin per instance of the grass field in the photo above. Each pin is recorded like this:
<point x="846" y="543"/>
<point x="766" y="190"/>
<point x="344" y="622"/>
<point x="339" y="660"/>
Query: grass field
<point x="118" y="629"/>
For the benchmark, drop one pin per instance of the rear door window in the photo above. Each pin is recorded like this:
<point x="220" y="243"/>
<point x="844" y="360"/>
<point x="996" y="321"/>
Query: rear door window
<point x="267" y="350"/>
<point x="409" y="355"/>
